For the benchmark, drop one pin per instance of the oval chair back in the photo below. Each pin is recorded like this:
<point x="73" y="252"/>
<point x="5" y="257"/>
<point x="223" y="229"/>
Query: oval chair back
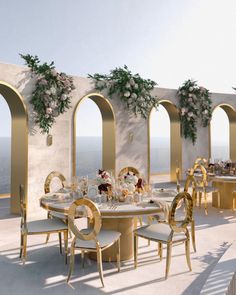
<point x="96" y="218"/>
<point x="201" y="161"/>
<point x="127" y="170"/>
<point x="186" y="200"/>
<point x="49" y="178"/>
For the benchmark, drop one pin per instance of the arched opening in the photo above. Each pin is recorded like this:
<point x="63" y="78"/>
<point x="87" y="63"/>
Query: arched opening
<point x="159" y="144"/>
<point x="19" y="143"/>
<point x="223" y="133"/>
<point x="165" y="145"/>
<point x="100" y="153"/>
<point x="5" y="149"/>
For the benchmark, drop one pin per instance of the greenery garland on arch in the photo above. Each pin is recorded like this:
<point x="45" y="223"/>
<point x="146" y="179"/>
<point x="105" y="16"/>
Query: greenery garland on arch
<point x="134" y="91"/>
<point x="195" y="104"/>
<point x="51" y="96"/>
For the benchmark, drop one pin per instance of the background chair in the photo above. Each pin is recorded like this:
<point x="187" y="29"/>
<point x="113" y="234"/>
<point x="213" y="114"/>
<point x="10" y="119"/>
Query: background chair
<point x="91" y="240"/>
<point x="38" y="227"/>
<point x="127" y="170"/>
<point x="202" y="186"/>
<point x="174" y="232"/>
<point x="47" y="189"/>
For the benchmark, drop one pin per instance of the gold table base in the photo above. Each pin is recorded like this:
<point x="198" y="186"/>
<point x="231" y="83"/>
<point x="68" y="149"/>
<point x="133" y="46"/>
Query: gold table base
<point x="125" y="226"/>
<point x="226" y="199"/>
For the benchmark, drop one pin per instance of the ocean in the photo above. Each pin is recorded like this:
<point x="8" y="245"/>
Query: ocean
<point x="89" y="157"/>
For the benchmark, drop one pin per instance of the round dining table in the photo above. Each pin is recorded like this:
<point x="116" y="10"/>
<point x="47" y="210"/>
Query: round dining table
<point x="119" y="216"/>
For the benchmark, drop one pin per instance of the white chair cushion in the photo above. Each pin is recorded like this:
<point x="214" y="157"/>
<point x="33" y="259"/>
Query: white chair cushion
<point x="209" y="189"/>
<point x="58" y="215"/>
<point x="46" y="226"/>
<point x="159" y="232"/>
<point x="105" y="237"/>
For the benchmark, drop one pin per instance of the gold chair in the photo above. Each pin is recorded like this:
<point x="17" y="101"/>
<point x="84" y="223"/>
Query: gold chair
<point x="201" y="186"/>
<point x="47" y="189"/>
<point x="49" y="179"/>
<point x="38" y="227"/>
<point x="174" y="231"/>
<point x="91" y="240"/>
<point x="127" y="170"/>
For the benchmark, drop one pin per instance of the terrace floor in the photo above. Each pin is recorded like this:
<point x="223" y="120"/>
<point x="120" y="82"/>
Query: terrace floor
<point x="45" y="271"/>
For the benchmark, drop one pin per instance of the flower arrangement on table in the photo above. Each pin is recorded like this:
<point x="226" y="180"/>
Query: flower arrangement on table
<point x="51" y="96"/>
<point x="104" y="181"/>
<point x="131" y="182"/>
<point x="195" y="104"/>
<point x="133" y="90"/>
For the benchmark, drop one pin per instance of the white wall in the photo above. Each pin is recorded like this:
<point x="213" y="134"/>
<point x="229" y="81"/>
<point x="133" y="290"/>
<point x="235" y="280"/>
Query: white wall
<point x="43" y="159"/>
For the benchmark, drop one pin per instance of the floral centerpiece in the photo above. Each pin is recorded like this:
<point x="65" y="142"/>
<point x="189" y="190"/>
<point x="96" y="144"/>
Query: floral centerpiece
<point x="104" y="181"/>
<point x="134" y="91"/>
<point x="51" y="96"/>
<point x="195" y="104"/>
<point x="129" y="181"/>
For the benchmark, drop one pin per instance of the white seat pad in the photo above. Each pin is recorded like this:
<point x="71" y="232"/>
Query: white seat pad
<point x="46" y="225"/>
<point x="58" y="215"/>
<point x="105" y="237"/>
<point x="159" y="232"/>
<point x="209" y="189"/>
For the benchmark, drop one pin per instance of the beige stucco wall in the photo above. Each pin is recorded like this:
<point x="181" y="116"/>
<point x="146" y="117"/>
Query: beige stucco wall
<point x="43" y="159"/>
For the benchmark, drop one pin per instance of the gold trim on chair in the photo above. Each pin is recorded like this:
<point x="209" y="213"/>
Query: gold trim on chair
<point x="91" y="240"/>
<point x="126" y="170"/>
<point x="49" y="178"/>
<point x="37" y="227"/>
<point x="174" y="232"/>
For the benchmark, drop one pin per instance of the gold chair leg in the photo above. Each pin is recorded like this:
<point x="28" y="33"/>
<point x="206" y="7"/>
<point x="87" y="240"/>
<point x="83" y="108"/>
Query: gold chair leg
<point x="21" y="244"/>
<point x="72" y="261"/>
<point x="24" y="248"/>
<point x="118" y="254"/>
<point x="205" y="203"/>
<point x="193" y="235"/>
<point x="60" y="244"/>
<point x="160" y="250"/>
<point x="168" y="259"/>
<point x="135" y="251"/>
<point x="135" y="223"/>
<point x="47" y="238"/>
<point x="200" y="199"/>
<point x="187" y="253"/>
<point x="99" y="261"/>
<point x="66" y="245"/>
<point x="82" y="257"/>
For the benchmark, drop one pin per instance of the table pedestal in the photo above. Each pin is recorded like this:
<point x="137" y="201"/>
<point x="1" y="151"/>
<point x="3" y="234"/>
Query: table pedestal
<point x="125" y="227"/>
<point x="227" y="198"/>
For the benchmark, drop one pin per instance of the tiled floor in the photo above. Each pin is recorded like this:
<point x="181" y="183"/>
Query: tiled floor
<point x="45" y="271"/>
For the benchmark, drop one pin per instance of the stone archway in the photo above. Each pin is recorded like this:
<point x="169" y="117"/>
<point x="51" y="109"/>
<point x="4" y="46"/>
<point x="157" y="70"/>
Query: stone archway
<point x="19" y="142"/>
<point x="175" y="139"/>
<point x="108" y="132"/>
<point x="231" y="113"/>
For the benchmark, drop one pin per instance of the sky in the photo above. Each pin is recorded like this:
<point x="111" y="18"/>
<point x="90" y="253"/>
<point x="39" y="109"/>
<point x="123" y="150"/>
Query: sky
<point x="168" y="41"/>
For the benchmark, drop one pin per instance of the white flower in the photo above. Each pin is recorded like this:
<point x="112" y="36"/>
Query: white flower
<point x="53" y="90"/>
<point x="100" y="84"/>
<point x="49" y="111"/>
<point x="134" y="95"/>
<point x="54" y="72"/>
<point x="183" y="92"/>
<point x="127" y="94"/>
<point x="53" y="104"/>
<point x="190" y="89"/>
<point x="127" y="85"/>
<point x="48" y="92"/>
<point x="64" y="97"/>
<point x="135" y="86"/>
<point x="132" y="82"/>
<point x="190" y="114"/>
<point x="205" y="112"/>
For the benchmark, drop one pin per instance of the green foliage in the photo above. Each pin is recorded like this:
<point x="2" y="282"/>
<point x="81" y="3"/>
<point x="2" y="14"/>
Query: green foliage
<point x="195" y="104"/>
<point x="51" y="96"/>
<point x="134" y="91"/>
